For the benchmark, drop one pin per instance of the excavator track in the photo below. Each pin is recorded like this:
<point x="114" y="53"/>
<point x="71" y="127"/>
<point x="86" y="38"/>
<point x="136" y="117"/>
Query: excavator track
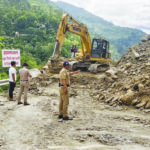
<point x="96" y="68"/>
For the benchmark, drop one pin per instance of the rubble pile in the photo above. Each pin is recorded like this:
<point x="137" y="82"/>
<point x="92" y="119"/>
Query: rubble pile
<point x="129" y="81"/>
<point x="43" y="78"/>
<point x="46" y="75"/>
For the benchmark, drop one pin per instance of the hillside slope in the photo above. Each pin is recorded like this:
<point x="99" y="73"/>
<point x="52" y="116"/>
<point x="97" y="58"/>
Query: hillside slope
<point x="36" y="21"/>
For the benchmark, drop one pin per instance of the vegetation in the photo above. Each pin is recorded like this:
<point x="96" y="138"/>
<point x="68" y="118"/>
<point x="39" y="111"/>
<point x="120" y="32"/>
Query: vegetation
<point x="36" y="21"/>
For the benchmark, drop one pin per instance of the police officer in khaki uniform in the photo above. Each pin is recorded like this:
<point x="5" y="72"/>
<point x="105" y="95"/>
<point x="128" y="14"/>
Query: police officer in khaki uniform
<point x="64" y="91"/>
<point x="24" y="83"/>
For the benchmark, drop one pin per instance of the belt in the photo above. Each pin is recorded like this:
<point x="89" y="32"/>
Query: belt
<point x="63" y="85"/>
<point x="24" y="80"/>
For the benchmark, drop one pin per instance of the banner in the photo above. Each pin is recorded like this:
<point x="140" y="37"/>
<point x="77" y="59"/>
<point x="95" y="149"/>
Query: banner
<point x="10" y="55"/>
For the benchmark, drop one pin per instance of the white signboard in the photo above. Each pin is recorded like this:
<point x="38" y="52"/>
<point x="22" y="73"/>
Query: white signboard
<point x="10" y="55"/>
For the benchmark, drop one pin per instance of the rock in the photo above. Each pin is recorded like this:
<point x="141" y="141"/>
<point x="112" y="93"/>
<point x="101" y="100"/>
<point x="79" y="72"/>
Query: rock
<point x="107" y="79"/>
<point x="144" y="92"/>
<point x="148" y="64"/>
<point x="44" y="83"/>
<point x="135" y="102"/>
<point x="134" y="73"/>
<point x="148" y="105"/>
<point x="101" y="96"/>
<point x="114" y="77"/>
<point x="146" y="111"/>
<point x="142" y="104"/>
<point x="115" y="99"/>
<point x="109" y="100"/>
<point x="73" y="93"/>
<point x="1" y="104"/>
<point x="146" y="77"/>
<point x="127" y="98"/>
<point x="35" y="72"/>
<point x="135" y="55"/>
<point x="33" y="85"/>
<point x="112" y="103"/>
<point x="110" y="72"/>
<point x="128" y="65"/>
<point x="140" y="87"/>
<point x="126" y="72"/>
<point x="45" y="67"/>
<point x="40" y="92"/>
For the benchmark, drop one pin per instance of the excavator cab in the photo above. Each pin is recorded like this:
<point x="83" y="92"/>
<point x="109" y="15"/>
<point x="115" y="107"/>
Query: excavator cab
<point x="100" y="48"/>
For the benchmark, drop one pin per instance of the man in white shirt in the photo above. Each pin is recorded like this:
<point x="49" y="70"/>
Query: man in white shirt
<point x="12" y="80"/>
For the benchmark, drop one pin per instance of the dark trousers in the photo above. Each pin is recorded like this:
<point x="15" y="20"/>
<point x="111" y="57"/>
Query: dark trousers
<point x="12" y="86"/>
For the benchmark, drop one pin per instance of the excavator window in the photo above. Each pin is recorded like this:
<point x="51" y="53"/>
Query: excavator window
<point x="99" y="48"/>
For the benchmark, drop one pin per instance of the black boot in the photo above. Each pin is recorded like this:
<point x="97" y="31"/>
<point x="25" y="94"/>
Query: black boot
<point x="60" y="116"/>
<point x="26" y="103"/>
<point x="67" y="118"/>
<point x="19" y="103"/>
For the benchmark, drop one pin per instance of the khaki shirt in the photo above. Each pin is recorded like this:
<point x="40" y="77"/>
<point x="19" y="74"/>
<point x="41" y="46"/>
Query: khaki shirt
<point x="24" y="74"/>
<point x="64" y="75"/>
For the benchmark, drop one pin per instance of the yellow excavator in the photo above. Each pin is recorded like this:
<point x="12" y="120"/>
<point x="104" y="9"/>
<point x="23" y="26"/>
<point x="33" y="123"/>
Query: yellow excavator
<point x="93" y="56"/>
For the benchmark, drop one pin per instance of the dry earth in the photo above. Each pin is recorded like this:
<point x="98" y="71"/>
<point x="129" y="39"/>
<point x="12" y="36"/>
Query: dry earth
<point x="96" y="125"/>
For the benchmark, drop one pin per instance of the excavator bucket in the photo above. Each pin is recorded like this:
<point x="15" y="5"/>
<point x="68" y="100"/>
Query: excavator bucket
<point x="55" y="64"/>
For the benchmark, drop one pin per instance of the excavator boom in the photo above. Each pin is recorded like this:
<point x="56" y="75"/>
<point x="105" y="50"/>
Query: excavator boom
<point x="75" y="28"/>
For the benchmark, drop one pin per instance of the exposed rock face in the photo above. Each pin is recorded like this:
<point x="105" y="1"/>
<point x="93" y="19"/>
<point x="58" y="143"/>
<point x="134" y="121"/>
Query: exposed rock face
<point x="133" y="72"/>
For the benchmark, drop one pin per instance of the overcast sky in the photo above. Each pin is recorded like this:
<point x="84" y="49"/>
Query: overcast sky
<point x="128" y="13"/>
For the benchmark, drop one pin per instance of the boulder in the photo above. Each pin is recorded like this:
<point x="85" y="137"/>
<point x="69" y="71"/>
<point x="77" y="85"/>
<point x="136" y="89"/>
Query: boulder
<point x="135" y="102"/>
<point x="127" y="98"/>
<point x="110" y="72"/>
<point x="142" y="104"/>
<point x="135" y="55"/>
<point x="35" y="72"/>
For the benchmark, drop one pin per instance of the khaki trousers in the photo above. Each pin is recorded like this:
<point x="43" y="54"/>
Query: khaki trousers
<point x="64" y="102"/>
<point x="24" y="86"/>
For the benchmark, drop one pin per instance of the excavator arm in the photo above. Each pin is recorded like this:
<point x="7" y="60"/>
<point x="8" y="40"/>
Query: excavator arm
<point x="75" y="28"/>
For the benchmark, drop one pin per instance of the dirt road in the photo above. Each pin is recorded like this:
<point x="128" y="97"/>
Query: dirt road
<point x="96" y="126"/>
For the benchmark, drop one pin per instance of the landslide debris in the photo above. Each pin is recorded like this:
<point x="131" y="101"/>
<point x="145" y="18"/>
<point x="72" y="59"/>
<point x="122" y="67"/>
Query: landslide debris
<point x="129" y="81"/>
